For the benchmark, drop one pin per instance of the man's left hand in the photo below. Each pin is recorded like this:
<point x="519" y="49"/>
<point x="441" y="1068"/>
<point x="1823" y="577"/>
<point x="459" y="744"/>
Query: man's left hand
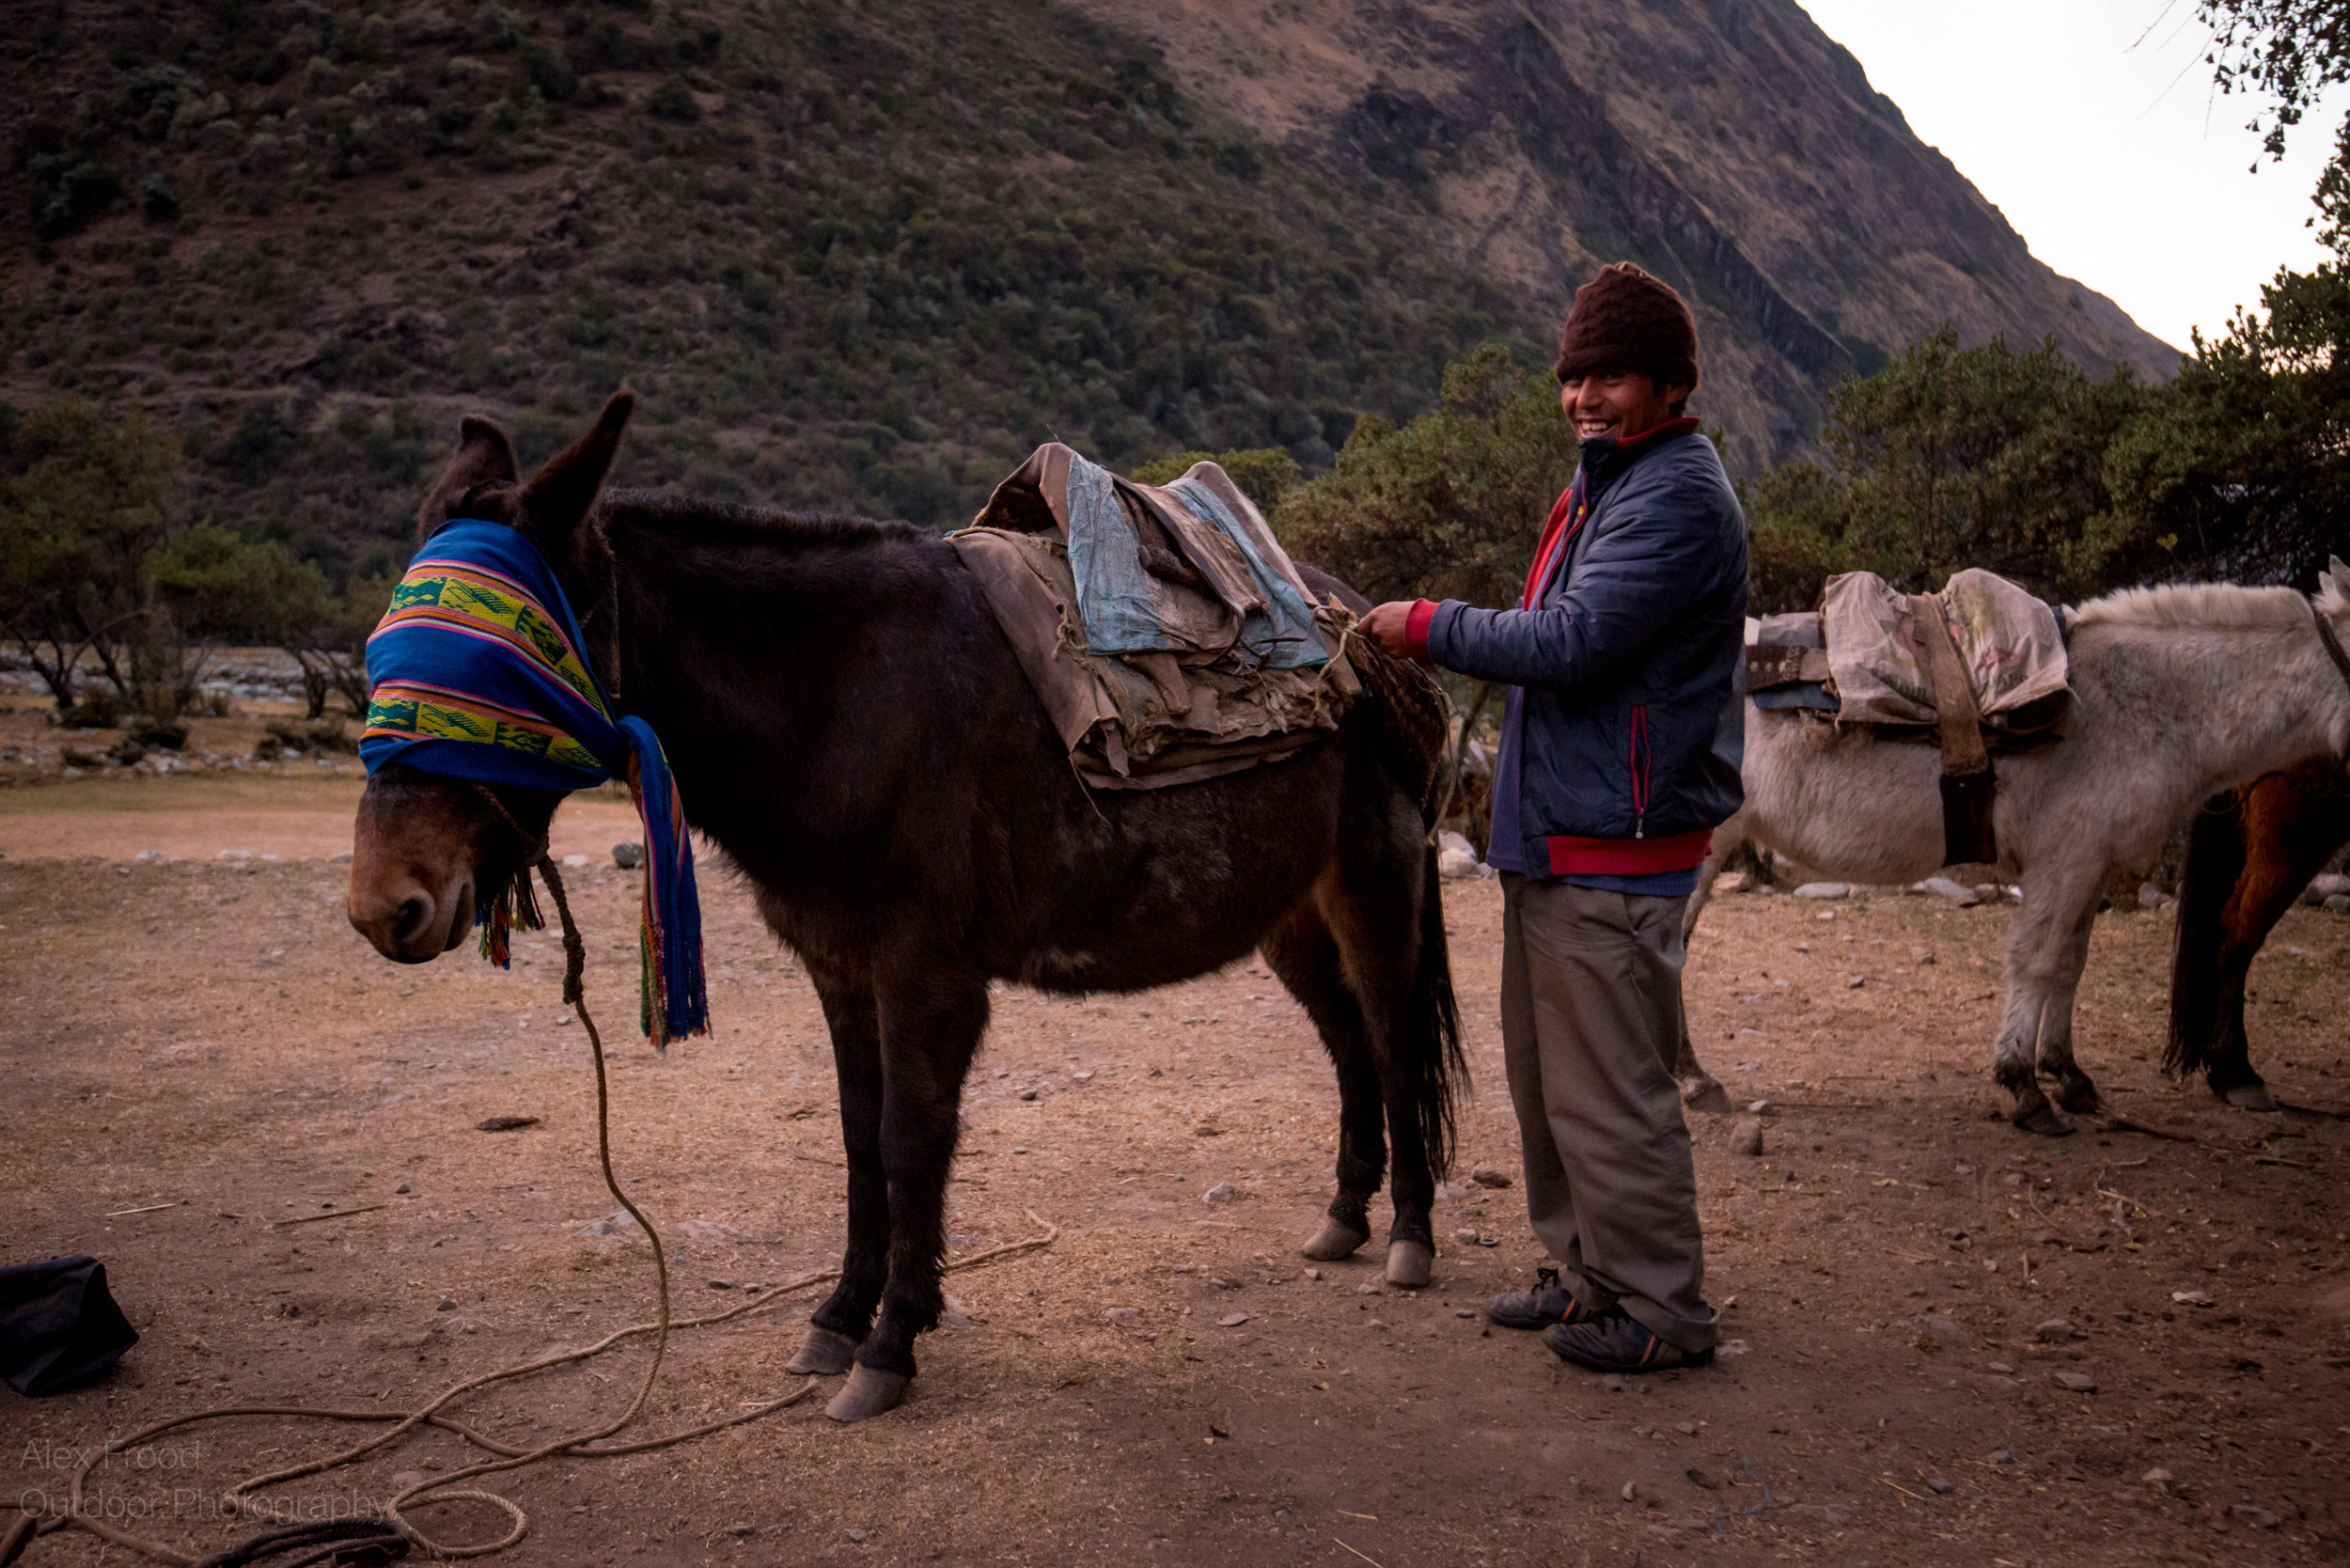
<point x="1386" y="625"/>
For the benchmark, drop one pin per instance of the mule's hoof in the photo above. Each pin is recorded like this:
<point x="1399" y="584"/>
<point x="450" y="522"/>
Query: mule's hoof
<point x="1705" y="1095"/>
<point x="822" y="1354"/>
<point x="2043" y="1121"/>
<point x="2250" y="1097"/>
<point x="2084" y="1100"/>
<point x="870" y="1391"/>
<point x="1408" y="1262"/>
<point x="1334" y="1241"/>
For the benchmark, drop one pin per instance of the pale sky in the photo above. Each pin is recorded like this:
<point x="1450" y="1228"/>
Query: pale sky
<point x="2094" y="127"/>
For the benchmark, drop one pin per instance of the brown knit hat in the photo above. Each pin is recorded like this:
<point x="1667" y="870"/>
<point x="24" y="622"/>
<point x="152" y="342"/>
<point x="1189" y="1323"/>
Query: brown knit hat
<point x="1627" y="320"/>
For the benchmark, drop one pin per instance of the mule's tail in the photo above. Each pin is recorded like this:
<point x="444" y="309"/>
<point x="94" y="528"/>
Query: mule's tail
<point x="1431" y="1025"/>
<point x="2215" y="858"/>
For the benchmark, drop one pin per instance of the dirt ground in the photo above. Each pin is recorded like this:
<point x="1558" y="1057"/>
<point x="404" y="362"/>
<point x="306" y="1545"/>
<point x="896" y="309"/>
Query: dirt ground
<point x="209" y="1034"/>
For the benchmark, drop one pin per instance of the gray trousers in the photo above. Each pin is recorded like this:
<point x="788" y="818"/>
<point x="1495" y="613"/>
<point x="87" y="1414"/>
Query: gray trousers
<point x="1591" y="1017"/>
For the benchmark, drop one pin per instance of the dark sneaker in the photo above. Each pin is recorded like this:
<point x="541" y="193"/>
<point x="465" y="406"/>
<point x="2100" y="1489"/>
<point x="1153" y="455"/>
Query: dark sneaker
<point x="1616" y="1343"/>
<point x="1547" y="1303"/>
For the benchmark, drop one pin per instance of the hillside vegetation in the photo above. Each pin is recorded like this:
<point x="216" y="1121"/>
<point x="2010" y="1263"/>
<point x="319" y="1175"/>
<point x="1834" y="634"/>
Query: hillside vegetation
<point x="860" y="257"/>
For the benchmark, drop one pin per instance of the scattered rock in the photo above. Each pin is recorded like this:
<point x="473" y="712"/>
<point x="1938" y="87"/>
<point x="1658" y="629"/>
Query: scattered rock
<point x="1466" y="1236"/>
<point x="2338" y="904"/>
<point x="401" y="1189"/>
<point x="1758" y="1107"/>
<point x="1613" y="1383"/>
<point x="1746" y="1137"/>
<point x="1031" y="1093"/>
<point x="1630" y="1491"/>
<point x="1940" y="1487"/>
<point x="628" y="856"/>
<point x="1486" y="1176"/>
<point x="860" y="1536"/>
<point x="2331" y="885"/>
<point x="732" y="1529"/>
<point x="447" y="1305"/>
<point x="2191" y="1298"/>
<point x="1372" y="1289"/>
<point x="2055" y="1330"/>
<point x="1853" y="983"/>
<point x="2157" y="1477"/>
<point x="1824" y="890"/>
<point x="1457" y="865"/>
<point x="2002" y="1456"/>
<point x="1698" y="1478"/>
<point x="1223" y="1192"/>
<point x="2002" y="1368"/>
<point x="1314" y="1274"/>
<point x="1732" y="882"/>
<point x="722" y="1284"/>
<point x="1687" y="1429"/>
<point x="2078" y="1383"/>
<point x="1125" y="1315"/>
<point x="575" y="862"/>
<point x="1375" y="1323"/>
<point x="2151" y="897"/>
<point x="2259" y="1518"/>
<point x="507" y="1123"/>
<point x="1463" y="1313"/>
<point x="1957" y="892"/>
<point x="1234" y="1320"/>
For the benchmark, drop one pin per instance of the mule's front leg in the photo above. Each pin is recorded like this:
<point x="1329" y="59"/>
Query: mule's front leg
<point x="836" y="1327"/>
<point x="2046" y="947"/>
<point x="929" y="1030"/>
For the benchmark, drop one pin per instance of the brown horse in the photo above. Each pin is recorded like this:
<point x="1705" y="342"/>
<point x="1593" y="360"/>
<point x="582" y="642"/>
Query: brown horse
<point x="2251" y="855"/>
<point x="848" y="722"/>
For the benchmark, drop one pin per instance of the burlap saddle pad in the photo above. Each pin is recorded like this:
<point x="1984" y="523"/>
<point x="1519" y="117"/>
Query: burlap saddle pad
<point x="1868" y="655"/>
<point x="1163" y="628"/>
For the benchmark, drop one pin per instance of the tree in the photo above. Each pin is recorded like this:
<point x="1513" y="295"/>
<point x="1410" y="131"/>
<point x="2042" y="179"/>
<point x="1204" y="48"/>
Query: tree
<point x="85" y="499"/>
<point x="2240" y="468"/>
<point x="1263" y="473"/>
<point x="1450" y="505"/>
<point x="1949" y="457"/>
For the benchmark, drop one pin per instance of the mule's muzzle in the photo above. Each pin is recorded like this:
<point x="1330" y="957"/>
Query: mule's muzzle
<point x="409" y="923"/>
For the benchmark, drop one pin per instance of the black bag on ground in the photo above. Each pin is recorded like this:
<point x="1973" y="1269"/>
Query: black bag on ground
<point x="58" y="1324"/>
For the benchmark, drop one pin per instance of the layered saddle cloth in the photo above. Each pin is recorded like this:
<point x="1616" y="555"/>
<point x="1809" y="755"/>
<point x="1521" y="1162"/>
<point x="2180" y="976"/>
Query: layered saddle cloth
<point x="1980" y="665"/>
<point x="1163" y="628"/>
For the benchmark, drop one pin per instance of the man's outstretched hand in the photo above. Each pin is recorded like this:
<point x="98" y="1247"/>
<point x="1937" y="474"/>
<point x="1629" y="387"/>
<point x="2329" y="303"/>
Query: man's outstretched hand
<point x="1386" y="625"/>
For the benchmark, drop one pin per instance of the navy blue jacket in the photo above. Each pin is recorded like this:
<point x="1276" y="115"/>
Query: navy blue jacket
<point x="1626" y="721"/>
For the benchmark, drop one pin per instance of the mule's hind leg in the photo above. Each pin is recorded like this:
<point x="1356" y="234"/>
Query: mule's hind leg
<point x="930" y="1024"/>
<point x="836" y="1328"/>
<point x="1301" y="952"/>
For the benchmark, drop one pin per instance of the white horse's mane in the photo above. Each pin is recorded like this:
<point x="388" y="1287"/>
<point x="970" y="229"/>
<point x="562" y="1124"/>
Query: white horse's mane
<point x="2199" y="606"/>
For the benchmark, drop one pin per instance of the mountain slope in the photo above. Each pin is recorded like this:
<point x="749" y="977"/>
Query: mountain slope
<point x="1728" y="144"/>
<point x="866" y="255"/>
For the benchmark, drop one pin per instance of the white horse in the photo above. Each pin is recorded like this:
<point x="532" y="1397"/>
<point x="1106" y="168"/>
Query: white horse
<point x="2178" y="693"/>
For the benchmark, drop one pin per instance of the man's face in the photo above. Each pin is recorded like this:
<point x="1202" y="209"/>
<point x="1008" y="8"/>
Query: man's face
<point x="1618" y="404"/>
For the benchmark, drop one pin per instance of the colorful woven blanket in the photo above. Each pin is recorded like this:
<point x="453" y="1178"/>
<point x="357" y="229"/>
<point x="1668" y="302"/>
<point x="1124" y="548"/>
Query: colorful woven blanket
<point x="477" y="672"/>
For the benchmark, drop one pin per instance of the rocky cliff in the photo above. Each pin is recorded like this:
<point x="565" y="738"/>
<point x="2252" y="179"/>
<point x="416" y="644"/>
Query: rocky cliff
<point x="1729" y="145"/>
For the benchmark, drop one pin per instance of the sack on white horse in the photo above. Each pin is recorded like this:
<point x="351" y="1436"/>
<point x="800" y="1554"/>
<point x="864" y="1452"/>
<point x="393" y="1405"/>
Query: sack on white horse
<point x="2008" y="641"/>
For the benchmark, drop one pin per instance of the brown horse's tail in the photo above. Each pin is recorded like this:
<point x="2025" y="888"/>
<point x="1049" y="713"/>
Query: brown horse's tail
<point x="1432" y="1029"/>
<point x="2215" y="858"/>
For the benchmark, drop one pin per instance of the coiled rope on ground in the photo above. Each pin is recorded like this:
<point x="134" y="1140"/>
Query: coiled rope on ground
<point x="392" y="1532"/>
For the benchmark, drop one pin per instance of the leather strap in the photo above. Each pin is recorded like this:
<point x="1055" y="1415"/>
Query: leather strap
<point x="2333" y="644"/>
<point x="1968" y="787"/>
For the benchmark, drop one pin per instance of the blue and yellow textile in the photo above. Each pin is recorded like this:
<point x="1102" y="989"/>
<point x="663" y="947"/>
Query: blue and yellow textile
<point x="477" y="672"/>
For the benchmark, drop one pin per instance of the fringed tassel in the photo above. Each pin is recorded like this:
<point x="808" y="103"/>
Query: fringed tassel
<point x="674" y="999"/>
<point x="514" y="904"/>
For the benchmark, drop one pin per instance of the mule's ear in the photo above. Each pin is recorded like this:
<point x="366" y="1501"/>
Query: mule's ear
<point x="560" y="496"/>
<point x="2340" y="573"/>
<point x="484" y="459"/>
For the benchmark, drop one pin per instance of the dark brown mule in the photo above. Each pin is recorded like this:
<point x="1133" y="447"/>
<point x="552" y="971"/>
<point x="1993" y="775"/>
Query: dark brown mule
<point x="848" y="724"/>
<point x="2250" y="857"/>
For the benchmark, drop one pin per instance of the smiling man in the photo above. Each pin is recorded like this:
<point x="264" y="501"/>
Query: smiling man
<point x="1621" y="740"/>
